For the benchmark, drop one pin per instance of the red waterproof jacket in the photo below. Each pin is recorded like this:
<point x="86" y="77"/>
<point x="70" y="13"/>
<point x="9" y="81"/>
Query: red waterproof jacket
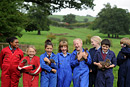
<point x="30" y="76"/>
<point x="9" y="65"/>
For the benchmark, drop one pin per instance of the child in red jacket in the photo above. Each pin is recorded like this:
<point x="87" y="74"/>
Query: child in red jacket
<point x="9" y="60"/>
<point x="30" y="66"/>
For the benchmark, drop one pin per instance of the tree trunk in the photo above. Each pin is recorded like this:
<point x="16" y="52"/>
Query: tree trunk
<point x="108" y="35"/>
<point x="112" y="35"/>
<point x="38" y="33"/>
<point x="117" y="36"/>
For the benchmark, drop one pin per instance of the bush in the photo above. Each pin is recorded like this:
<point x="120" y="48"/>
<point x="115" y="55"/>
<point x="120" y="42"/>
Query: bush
<point x="88" y="39"/>
<point x="51" y="36"/>
<point x="63" y="39"/>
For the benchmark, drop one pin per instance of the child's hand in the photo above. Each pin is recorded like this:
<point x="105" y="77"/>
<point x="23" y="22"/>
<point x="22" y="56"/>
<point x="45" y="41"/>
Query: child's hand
<point x="99" y="65"/>
<point x="47" y="60"/>
<point x="84" y="54"/>
<point x="53" y="70"/>
<point x="79" y="56"/>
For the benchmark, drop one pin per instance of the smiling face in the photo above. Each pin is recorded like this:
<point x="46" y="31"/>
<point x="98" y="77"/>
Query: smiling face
<point x="94" y="43"/>
<point x="105" y="48"/>
<point x="49" y="49"/>
<point x="78" y="45"/>
<point x="14" y="44"/>
<point x="31" y="52"/>
<point x="64" y="49"/>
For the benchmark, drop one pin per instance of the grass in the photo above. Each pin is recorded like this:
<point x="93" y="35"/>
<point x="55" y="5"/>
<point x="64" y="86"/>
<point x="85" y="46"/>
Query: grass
<point x="38" y="40"/>
<point x="78" y="18"/>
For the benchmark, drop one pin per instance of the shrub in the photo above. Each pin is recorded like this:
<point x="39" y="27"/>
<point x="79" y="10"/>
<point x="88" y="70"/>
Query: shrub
<point x="51" y="36"/>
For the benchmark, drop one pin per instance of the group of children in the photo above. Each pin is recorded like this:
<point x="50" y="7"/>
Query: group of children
<point x="85" y="68"/>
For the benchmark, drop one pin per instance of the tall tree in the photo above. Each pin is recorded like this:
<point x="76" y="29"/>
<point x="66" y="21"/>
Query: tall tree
<point x="113" y="21"/>
<point x="39" y="18"/>
<point x="70" y="18"/>
<point x="11" y="19"/>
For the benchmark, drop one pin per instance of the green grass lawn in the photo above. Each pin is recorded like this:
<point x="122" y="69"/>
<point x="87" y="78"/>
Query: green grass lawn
<point x="38" y="40"/>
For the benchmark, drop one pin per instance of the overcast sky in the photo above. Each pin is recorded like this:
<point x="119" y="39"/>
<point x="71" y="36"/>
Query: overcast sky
<point x="125" y="4"/>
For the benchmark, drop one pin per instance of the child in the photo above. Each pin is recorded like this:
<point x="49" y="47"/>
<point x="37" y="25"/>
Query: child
<point x="80" y="68"/>
<point x="49" y="72"/>
<point x="30" y="66"/>
<point x="64" y="67"/>
<point x="123" y="60"/>
<point x="9" y="59"/>
<point x="104" y="76"/>
<point x="95" y="41"/>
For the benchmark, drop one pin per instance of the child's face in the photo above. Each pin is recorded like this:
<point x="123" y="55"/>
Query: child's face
<point x="31" y="52"/>
<point x="94" y="43"/>
<point x="105" y="48"/>
<point x="78" y="45"/>
<point x="15" y="43"/>
<point x="49" y="49"/>
<point x="122" y="45"/>
<point x="64" y="49"/>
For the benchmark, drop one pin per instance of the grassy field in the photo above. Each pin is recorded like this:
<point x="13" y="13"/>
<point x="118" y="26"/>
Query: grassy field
<point x="38" y="40"/>
<point x="78" y="18"/>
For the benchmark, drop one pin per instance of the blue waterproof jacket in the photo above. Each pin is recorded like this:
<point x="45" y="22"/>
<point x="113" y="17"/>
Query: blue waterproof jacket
<point x="64" y="70"/>
<point x="48" y="78"/>
<point x="105" y="77"/>
<point x="80" y="70"/>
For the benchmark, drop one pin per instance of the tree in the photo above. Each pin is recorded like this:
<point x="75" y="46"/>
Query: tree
<point x="11" y="19"/>
<point x="113" y="21"/>
<point x="39" y="18"/>
<point x="85" y="19"/>
<point x="59" y="4"/>
<point x="70" y="18"/>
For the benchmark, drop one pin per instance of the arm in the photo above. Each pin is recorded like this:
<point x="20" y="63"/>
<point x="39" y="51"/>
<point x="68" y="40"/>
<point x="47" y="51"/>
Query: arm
<point x="1" y="58"/>
<point x="55" y="65"/>
<point x="120" y="58"/>
<point x="43" y="65"/>
<point x="89" y="61"/>
<point x="74" y="62"/>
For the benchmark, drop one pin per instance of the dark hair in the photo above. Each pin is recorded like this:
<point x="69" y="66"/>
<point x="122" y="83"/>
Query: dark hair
<point x="11" y="39"/>
<point x="48" y="42"/>
<point x="106" y="42"/>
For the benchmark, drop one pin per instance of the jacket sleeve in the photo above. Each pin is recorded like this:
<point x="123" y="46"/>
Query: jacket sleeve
<point x="55" y="66"/>
<point x="37" y="70"/>
<point x="43" y="65"/>
<point x="95" y="59"/>
<point x="114" y="60"/>
<point x="1" y="58"/>
<point x="74" y="62"/>
<point x="22" y="66"/>
<point x="89" y="61"/>
<point x="120" y="59"/>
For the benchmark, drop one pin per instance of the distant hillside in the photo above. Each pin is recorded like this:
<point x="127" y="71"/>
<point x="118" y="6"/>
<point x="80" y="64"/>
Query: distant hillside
<point x="78" y="18"/>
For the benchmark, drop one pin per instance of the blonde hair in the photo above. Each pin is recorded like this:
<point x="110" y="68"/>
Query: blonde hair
<point x="78" y="40"/>
<point x="30" y="46"/>
<point x="125" y="41"/>
<point x="63" y="43"/>
<point x="97" y="39"/>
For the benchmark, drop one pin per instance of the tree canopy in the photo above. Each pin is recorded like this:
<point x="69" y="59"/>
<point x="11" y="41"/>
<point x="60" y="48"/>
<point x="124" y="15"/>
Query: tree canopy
<point x="11" y="19"/>
<point x="113" y="21"/>
<point x="70" y="18"/>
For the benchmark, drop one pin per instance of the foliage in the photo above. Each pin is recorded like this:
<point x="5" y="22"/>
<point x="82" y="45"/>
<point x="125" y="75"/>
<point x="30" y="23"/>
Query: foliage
<point x="11" y="19"/>
<point x="86" y="20"/>
<point x="38" y="18"/>
<point x="113" y="21"/>
<point x="63" y="39"/>
<point x="88" y="39"/>
<point x="70" y="18"/>
<point x="51" y="36"/>
<point x="59" y="4"/>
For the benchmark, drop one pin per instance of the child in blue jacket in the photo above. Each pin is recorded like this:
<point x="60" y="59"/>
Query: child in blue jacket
<point x="80" y="59"/>
<point x="64" y="67"/>
<point x="95" y="42"/>
<point x="105" y="76"/>
<point x="49" y="69"/>
<point x="123" y="61"/>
